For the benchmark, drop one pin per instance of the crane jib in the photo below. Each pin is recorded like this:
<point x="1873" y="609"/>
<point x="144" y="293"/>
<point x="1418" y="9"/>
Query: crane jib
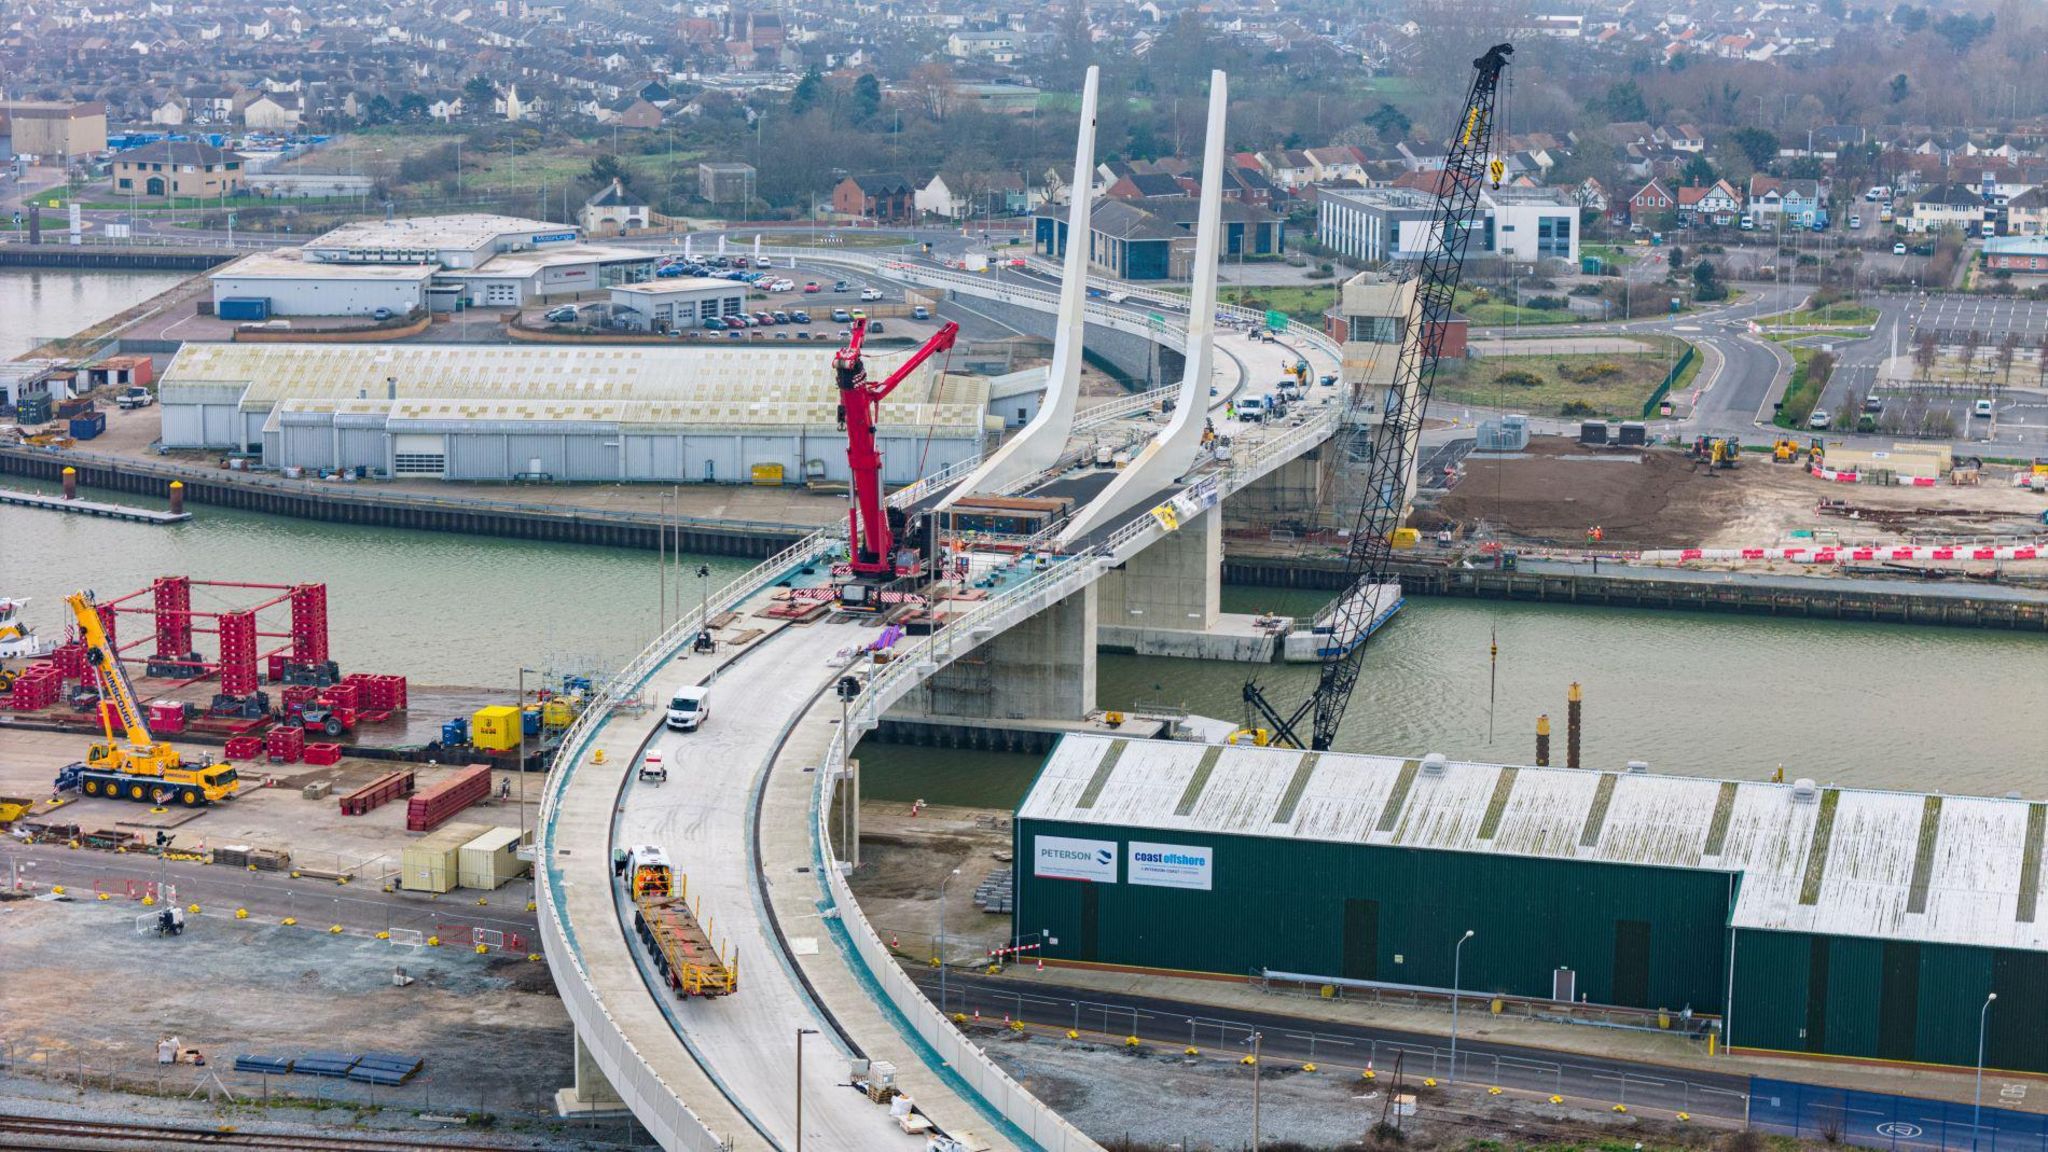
<point x="1390" y="449"/>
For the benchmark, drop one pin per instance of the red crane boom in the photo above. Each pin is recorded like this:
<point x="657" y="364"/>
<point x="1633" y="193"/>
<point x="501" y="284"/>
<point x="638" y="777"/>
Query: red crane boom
<point x="870" y="540"/>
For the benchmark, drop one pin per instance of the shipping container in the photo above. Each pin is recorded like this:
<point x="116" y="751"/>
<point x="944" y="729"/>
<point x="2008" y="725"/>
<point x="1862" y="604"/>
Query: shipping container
<point x="491" y="859"/>
<point x="496" y="728"/>
<point x="432" y="864"/>
<point x="437" y="805"/>
<point x="36" y="409"/>
<point x="88" y="426"/>
<point x="255" y="308"/>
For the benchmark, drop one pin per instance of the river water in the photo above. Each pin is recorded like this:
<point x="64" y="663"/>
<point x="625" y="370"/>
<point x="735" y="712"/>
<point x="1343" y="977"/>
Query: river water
<point x="1712" y="695"/>
<point x="37" y="304"/>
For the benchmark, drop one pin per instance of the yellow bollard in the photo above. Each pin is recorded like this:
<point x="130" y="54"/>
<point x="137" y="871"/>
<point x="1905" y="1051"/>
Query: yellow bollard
<point x="1557" y="1099"/>
<point x="1073" y="1035"/>
<point x="1308" y="1067"/>
<point x="104" y="897"/>
<point x="1429" y="1082"/>
<point x="1493" y="1091"/>
<point x="1132" y="1042"/>
<point x="334" y="929"/>
<point x="289" y="921"/>
<point x="241" y="913"/>
<point x="1621" y="1107"/>
<point x="383" y="935"/>
<point x="482" y="948"/>
<point x="1191" y="1050"/>
<point x="534" y="957"/>
<point x="149" y="901"/>
<point x="597" y="757"/>
<point x="433" y="941"/>
<point x="1683" y="1116"/>
<point x="1368" y="1074"/>
<point x="192" y="908"/>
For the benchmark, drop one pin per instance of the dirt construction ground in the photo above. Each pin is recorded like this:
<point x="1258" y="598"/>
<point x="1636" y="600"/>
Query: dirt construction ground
<point x="1662" y="498"/>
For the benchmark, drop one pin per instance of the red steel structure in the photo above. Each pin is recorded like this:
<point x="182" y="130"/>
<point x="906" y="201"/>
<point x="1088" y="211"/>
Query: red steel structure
<point x="238" y="632"/>
<point x="870" y="543"/>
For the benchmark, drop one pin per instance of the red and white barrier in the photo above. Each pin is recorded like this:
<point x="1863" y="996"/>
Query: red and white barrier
<point x="1853" y="478"/>
<point x="1838" y="554"/>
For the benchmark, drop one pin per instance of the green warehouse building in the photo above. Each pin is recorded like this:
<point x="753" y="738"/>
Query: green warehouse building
<point x="1824" y="920"/>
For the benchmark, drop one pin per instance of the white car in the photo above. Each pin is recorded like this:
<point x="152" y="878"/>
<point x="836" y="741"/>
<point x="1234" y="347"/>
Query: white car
<point x="1821" y="418"/>
<point x="870" y="294"/>
<point x="782" y="286"/>
<point x="1899" y="249"/>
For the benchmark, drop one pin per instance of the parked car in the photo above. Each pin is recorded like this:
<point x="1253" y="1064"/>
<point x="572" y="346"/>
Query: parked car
<point x="780" y="317"/>
<point x="920" y="313"/>
<point x="800" y="316"/>
<point x="735" y="322"/>
<point x="135" y="396"/>
<point x="870" y="294"/>
<point x="1821" y="418"/>
<point x="1983" y="409"/>
<point x="874" y="327"/>
<point x="1855" y="222"/>
<point x="714" y="322"/>
<point x="813" y="286"/>
<point x="763" y="319"/>
<point x="842" y="315"/>
<point x="1899" y="249"/>
<point x="739" y="262"/>
<point x="840" y="286"/>
<point x="860" y="314"/>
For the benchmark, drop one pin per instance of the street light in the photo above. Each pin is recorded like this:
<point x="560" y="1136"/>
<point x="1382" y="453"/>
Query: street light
<point x="1977" y="1113"/>
<point x="1457" y="957"/>
<point x="800" y="1034"/>
<point x="939" y="945"/>
<point x="1256" y="1038"/>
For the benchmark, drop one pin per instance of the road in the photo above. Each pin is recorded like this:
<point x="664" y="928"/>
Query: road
<point x="1343" y="1048"/>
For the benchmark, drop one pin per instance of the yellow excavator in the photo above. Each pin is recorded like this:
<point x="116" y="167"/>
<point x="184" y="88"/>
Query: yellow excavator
<point x="134" y="765"/>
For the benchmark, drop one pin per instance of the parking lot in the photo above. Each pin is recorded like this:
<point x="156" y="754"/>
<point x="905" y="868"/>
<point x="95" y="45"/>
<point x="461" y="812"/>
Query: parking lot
<point x="1988" y="315"/>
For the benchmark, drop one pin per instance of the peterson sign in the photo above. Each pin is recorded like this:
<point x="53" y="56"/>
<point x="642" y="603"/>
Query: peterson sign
<point x="1065" y="858"/>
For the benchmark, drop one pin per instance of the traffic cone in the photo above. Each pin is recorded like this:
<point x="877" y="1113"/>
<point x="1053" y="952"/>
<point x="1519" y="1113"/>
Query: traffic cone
<point x="1041" y="963"/>
<point x="892" y="940"/>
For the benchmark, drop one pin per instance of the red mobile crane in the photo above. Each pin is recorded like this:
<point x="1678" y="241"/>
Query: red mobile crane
<point x="871" y="540"/>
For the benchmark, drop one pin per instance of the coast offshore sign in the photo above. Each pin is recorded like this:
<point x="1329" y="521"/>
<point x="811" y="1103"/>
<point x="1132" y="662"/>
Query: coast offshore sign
<point x="1066" y="858"/>
<point x="1172" y="865"/>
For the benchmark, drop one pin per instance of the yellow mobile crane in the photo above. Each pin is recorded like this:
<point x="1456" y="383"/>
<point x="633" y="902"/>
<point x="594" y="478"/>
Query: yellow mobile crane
<point x="144" y="768"/>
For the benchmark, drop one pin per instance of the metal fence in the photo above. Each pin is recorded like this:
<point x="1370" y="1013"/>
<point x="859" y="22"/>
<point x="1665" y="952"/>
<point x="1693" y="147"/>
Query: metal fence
<point x="1663" y="388"/>
<point x="1881" y="1120"/>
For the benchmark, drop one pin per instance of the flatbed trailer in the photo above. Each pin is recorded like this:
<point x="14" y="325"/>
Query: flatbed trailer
<point x="683" y="950"/>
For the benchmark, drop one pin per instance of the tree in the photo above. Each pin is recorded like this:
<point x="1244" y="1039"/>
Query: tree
<point x="809" y="91"/>
<point x="412" y="106"/>
<point x="1898" y="89"/>
<point x="1390" y="122"/>
<point x="2041" y="363"/>
<point x="1908" y="18"/>
<point x="1676" y="257"/>
<point x="606" y="169"/>
<point x="1706" y="282"/>
<point x="1925" y="351"/>
<point x="931" y="87"/>
<point x="478" y="94"/>
<point x="1074" y="39"/>
<point x="1756" y="145"/>
<point x="867" y="98"/>
<point x="1624" y="101"/>
<point x="1961" y="30"/>
<point x="2006" y="350"/>
<point x="1698" y="172"/>
<point x="1968" y="354"/>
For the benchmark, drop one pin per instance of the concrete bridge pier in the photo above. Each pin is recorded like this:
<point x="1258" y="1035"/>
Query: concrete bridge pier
<point x="590" y="1094"/>
<point x="1040" y="669"/>
<point x="1167" y="601"/>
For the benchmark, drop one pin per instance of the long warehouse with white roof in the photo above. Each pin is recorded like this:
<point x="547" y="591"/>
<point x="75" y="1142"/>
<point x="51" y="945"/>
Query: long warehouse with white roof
<point x="502" y="412"/>
<point x="1826" y="920"/>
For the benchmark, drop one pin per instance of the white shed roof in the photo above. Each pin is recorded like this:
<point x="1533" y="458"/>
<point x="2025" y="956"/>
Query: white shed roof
<point x="1841" y="861"/>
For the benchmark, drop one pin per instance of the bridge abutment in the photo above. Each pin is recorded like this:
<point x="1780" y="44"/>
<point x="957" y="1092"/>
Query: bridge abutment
<point x="590" y="1094"/>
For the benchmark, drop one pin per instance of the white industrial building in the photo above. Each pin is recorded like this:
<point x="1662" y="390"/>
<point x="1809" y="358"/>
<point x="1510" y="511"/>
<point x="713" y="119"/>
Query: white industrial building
<point x="294" y="287"/>
<point x="441" y="262"/>
<point x="494" y="412"/>
<point x="677" y="303"/>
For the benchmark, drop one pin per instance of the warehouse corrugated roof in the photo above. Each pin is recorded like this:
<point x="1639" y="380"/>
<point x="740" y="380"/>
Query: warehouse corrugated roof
<point x="1838" y="861"/>
<point x="752" y="386"/>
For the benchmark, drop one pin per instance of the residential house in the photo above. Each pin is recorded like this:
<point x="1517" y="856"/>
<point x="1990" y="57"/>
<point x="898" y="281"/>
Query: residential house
<point x="1591" y="194"/>
<point x="1650" y="201"/>
<point x="1337" y="164"/>
<point x="612" y="211"/>
<point x="876" y="196"/>
<point x="2027" y="213"/>
<point x="1946" y="206"/>
<point x="1146" y="186"/>
<point x="178" y="168"/>
<point x="1777" y="203"/>
<point x="1290" y="168"/>
<point x="444" y="106"/>
<point x="172" y="111"/>
<point x="632" y="112"/>
<point x="1717" y="205"/>
<point x="995" y="47"/>
<point x="273" y="112"/>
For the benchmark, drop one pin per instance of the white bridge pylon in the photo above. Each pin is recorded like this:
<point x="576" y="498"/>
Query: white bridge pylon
<point x="1040" y="443"/>
<point x="1171" y="453"/>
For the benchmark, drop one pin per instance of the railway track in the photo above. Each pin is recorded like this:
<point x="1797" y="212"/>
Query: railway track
<point x="42" y="1134"/>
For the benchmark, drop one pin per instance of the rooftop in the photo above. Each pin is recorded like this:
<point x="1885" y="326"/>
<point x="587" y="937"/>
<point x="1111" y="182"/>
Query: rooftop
<point x="642" y="383"/>
<point x="285" y="264"/>
<point x="1842" y="861"/>
<point x="677" y="285"/>
<point x="534" y="259"/>
<point x="419" y="232"/>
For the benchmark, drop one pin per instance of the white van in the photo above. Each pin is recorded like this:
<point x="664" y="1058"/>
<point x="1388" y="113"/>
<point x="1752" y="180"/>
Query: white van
<point x="1748" y="222"/>
<point x="689" y="709"/>
<point x="1984" y="409"/>
<point x="1251" y="409"/>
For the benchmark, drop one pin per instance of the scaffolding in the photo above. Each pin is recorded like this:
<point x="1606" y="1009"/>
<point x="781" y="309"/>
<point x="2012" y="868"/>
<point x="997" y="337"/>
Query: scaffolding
<point x="239" y="634"/>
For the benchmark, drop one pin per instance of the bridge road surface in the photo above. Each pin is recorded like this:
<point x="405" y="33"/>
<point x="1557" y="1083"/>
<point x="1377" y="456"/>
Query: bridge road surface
<point x="704" y="819"/>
